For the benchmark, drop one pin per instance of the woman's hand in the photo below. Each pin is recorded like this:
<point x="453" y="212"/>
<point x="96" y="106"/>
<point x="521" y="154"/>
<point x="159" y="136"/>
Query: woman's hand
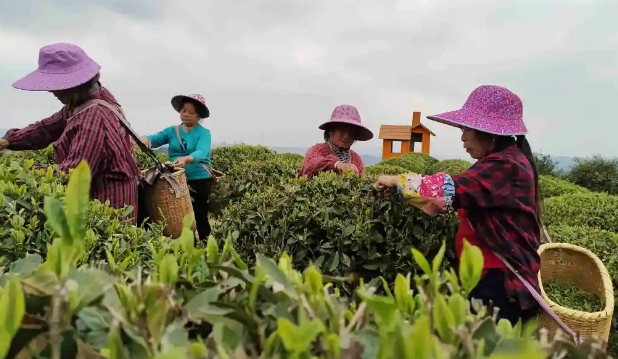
<point x="182" y="161"/>
<point x="346" y="167"/>
<point x="146" y="141"/>
<point x="4" y="144"/>
<point x="385" y="182"/>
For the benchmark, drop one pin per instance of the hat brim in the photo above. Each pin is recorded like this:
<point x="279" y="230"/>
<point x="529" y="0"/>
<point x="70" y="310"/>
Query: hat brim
<point x="202" y="110"/>
<point x="43" y="81"/>
<point x="487" y="124"/>
<point x="362" y="133"/>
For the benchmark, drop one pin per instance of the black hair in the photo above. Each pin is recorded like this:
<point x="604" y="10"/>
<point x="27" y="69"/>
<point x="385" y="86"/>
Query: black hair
<point x="502" y="142"/>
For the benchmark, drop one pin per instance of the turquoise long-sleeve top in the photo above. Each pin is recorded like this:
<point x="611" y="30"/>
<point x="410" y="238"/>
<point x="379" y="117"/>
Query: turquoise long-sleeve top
<point x="197" y="142"/>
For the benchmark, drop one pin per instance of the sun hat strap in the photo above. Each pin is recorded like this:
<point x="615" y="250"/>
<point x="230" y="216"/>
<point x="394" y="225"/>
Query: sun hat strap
<point x="212" y="172"/>
<point x="576" y="337"/>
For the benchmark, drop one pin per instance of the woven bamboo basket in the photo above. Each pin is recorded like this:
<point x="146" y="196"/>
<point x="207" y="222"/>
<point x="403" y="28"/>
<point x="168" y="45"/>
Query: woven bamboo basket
<point x="565" y="262"/>
<point x="163" y="205"/>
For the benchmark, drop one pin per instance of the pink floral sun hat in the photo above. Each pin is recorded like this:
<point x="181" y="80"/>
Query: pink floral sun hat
<point x="61" y="66"/>
<point x="348" y="114"/>
<point x="491" y="109"/>
<point x="197" y="100"/>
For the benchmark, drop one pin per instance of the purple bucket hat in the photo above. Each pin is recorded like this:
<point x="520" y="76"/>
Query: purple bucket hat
<point x="491" y="109"/>
<point x="61" y="66"/>
<point x="198" y="100"/>
<point x="349" y="115"/>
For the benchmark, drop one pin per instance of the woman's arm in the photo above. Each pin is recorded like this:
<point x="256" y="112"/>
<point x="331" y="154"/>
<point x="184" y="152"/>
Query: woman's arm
<point x="317" y="161"/>
<point x="38" y="135"/>
<point x="159" y="139"/>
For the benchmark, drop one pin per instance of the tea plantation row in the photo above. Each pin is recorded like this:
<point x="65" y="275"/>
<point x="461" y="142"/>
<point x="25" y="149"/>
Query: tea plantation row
<point x="334" y="226"/>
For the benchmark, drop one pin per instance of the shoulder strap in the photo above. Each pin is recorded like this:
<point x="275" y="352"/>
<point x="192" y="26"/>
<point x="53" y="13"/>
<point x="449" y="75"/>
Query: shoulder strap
<point x="538" y="297"/>
<point x="127" y="126"/>
<point x="212" y="172"/>
<point x="177" y="128"/>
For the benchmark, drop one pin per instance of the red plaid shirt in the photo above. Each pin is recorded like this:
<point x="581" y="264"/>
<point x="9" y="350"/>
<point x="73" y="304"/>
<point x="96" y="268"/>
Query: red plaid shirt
<point x="498" y="194"/>
<point x="94" y="135"/>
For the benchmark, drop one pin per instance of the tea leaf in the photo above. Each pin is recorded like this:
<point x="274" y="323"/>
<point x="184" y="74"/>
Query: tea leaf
<point x="58" y="219"/>
<point x="12" y="307"/>
<point x="212" y="250"/>
<point x="420" y="259"/>
<point x="168" y="270"/>
<point x="470" y="266"/>
<point x="26" y="266"/>
<point x="77" y="198"/>
<point x="437" y="260"/>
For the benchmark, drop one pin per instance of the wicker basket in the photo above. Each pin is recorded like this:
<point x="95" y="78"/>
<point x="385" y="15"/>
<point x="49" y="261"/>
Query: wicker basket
<point x="164" y="205"/>
<point x="565" y="262"/>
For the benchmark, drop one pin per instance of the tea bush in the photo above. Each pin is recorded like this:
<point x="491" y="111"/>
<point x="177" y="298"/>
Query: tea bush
<point x="224" y="158"/>
<point x="412" y="162"/>
<point x="452" y="167"/>
<point x="384" y="169"/>
<point x="24" y="228"/>
<point x="205" y="303"/>
<point x="554" y="187"/>
<point x="597" y="210"/>
<point x="145" y="162"/>
<point x="336" y="222"/>
<point x="293" y="157"/>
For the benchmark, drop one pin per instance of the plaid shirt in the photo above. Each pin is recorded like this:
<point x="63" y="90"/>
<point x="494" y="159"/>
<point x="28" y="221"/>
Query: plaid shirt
<point x="498" y="194"/>
<point x="94" y="135"/>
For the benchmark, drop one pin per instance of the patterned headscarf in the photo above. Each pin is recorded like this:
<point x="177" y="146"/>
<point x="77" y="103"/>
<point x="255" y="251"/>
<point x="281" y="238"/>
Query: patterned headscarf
<point x="343" y="154"/>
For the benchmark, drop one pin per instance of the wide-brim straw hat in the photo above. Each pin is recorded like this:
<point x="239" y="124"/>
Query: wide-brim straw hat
<point x="491" y="109"/>
<point x="61" y="66"/>
<point x="349" y="115"/>
<point x="197" y="100"/>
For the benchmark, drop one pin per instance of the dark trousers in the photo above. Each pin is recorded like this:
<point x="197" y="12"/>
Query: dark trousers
<point x="200" y="195"/>
<point x="492" y="292"/>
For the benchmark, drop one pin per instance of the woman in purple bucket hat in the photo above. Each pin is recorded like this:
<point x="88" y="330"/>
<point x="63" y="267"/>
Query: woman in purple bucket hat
<point x="334" y="154"/>
<point x="497" y="199"/>
<point x="85" y="129"/>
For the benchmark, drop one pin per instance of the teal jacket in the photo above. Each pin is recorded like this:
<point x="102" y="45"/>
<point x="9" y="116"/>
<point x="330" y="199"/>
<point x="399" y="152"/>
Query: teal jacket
<point x="197" y="143"/>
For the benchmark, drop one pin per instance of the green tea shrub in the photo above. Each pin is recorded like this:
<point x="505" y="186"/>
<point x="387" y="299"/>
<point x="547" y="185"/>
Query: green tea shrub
<point x="451" y="167"/>
<point x="224" y="158"/>
<point x="23" y="228"/>
<point x="336" y="222"/>
<point x="195" y="303"/>
<point x="597" y="210"/>
<point x="554" y="187"/>
<point x="384" y="169"/>
<point x="412" y="162"/>
<point x="596" y="173"/>
<point x="145" y="162"/>
<point x="292" y="156"/>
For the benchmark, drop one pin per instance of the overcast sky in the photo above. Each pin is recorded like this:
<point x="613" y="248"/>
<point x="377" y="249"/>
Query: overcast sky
<point x="272" y="70"/>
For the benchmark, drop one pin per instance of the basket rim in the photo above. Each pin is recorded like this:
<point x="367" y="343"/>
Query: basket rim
<point x="176" y="170"/>
<point x="607" y="312"/>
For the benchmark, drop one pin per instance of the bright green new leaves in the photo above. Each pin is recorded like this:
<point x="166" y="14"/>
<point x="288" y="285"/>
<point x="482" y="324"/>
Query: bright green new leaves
<point x="298" y="339"/>
<point x="470" y="266"/>
<point x="168" y="270"/>
<point x="77" y="198"/>
<point x="58" y="219"/>
<point x="12" y="310"/>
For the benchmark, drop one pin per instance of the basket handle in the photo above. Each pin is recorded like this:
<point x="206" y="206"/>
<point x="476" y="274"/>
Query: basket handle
<point x="576" y="337"/>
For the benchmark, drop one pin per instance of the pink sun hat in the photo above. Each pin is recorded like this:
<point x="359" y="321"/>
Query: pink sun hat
<point x="348" y="114"/>
<point x="491" y="109"/>
<point x="61" y="66"/>
<point x="196" y="99"/>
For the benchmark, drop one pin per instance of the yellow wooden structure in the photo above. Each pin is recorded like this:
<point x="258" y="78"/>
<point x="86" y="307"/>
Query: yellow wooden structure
<point x="408" y="137"/>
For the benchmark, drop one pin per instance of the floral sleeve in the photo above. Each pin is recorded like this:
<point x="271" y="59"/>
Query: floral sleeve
<point x="432" y="194"/>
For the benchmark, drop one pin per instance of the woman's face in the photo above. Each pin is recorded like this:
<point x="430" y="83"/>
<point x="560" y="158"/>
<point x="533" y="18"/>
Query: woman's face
<point x="343" y="136"/>
<point x="188" y="115"/>
<point x="477" y="144"/>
